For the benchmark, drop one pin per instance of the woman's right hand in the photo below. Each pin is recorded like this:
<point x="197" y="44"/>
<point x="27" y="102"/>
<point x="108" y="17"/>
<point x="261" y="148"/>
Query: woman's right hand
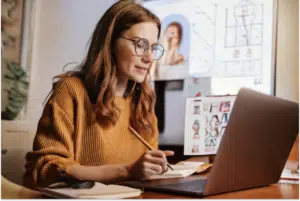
<point x="150" y="163"/>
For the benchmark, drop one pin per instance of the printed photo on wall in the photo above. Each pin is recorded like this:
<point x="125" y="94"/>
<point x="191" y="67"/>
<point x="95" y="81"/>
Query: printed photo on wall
<point x="175" y="37"/>
<point x="195" y="149"/>
<point x="175" y="40"/>
<point x="196" y="128"/>
<point x="208" y="124"/>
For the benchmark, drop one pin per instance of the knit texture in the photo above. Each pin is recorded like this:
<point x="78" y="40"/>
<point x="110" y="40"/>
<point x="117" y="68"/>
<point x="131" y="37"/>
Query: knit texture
<point x="68" y="133"/>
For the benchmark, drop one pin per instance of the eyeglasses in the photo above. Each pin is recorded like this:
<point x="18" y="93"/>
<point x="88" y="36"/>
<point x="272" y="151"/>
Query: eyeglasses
<point x="142" y="46"/>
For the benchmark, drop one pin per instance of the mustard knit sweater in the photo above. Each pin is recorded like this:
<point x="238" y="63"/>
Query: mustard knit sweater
<point x="68" y="133"/>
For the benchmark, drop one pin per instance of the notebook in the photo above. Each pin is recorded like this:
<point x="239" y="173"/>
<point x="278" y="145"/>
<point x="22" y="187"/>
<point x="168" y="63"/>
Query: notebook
<point x="98" y="191"/>
<point x="183" y="169"/>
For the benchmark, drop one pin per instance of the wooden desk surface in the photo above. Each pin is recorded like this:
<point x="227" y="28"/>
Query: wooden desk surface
<point x="275" y="191"/>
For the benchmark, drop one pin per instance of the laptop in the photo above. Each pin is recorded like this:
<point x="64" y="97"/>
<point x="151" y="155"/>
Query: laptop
<point x="259" y="136"/>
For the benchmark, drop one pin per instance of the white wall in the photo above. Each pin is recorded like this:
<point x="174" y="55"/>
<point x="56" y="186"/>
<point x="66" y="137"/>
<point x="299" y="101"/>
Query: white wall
<point x="287" y="64"/>
<point x="61" y="32"/>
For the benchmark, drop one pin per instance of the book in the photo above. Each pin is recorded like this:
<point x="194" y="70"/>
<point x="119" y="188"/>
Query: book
<point x="98" y="191"/>
<point x="205" y="123"/>
<point x="289" y="176"/>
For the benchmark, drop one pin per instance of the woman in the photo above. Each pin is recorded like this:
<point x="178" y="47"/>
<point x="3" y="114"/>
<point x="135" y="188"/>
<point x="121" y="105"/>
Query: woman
<point x="171" y="41"/>
<point x="83" y="132"/>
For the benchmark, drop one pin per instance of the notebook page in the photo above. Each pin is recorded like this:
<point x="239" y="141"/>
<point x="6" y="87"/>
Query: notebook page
<point x="179" y="171"/>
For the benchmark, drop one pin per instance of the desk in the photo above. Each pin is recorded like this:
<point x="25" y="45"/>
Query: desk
<point x="275" y="191"/>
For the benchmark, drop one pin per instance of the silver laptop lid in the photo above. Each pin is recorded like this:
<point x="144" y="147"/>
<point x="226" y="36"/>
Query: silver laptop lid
<point x="259" y="137"/>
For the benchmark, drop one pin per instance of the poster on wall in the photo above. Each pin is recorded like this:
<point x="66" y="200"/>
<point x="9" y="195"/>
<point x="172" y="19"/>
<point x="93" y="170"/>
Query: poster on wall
<point x="206" y="120"/>
<point x="215" y="38"/>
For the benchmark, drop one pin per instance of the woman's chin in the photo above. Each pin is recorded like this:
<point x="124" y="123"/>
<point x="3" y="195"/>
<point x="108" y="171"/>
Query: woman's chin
<point x="138" y="79"/>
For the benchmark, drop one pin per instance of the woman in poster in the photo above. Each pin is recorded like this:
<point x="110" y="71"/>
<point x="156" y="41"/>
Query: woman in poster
<point x="171" y="41"/>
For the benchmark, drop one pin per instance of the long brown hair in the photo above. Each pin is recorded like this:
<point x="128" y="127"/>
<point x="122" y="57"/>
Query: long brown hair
<point x="98" y="69"/>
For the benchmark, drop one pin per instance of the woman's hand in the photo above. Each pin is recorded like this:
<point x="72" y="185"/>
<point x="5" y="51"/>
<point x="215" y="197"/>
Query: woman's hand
<point x="150" y="163"/>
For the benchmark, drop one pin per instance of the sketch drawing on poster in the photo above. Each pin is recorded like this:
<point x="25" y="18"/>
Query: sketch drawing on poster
<point x="208" y="125"/>
<point x="203" y="25"/>
<point x="244" y="38"/>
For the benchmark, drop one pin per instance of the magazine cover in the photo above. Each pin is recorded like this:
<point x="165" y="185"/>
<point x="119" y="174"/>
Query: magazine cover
<point x="205" y="123"/>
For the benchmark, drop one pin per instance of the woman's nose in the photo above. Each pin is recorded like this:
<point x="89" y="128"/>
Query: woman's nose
<point x="148" y="56"/>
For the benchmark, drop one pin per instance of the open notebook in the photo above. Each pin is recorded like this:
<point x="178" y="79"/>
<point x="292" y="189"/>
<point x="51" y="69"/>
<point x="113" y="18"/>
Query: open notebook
<point x="183" y="169"/>
<point x="98" y="191"/>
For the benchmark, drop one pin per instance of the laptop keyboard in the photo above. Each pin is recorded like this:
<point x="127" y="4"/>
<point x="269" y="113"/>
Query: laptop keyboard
<point x="189" y="186"/>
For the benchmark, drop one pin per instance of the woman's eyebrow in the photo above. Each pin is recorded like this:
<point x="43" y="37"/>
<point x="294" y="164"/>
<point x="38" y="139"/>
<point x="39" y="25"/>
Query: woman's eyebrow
<point x="137" y="37"/>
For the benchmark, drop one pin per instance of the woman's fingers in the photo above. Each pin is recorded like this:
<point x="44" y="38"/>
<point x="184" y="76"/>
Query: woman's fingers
<point x="150" y="169"/>
<point x="160" y="153"/>
<point x="158" y="169"/>
<point x="148" y="173"/>
<point x="157" y="153"/>
<point x="168" y="153"/>
<point x="159" y="158"/>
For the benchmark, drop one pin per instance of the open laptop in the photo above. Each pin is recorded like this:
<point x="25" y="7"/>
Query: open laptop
<point x="254" y="149"/>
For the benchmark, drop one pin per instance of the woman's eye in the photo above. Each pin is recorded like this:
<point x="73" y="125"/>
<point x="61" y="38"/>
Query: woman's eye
<point x="139" y="45"/>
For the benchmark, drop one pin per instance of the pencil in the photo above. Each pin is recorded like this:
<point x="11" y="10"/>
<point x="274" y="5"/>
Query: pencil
<point x="145" y="143"/>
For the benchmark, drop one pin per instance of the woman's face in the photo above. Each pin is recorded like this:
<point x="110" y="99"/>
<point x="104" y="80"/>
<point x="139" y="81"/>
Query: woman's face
<point x="129" y="64"/>
<point x="172" y="36"/>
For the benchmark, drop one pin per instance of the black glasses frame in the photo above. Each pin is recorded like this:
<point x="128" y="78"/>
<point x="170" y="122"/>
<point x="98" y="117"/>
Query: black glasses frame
<point x="135" y="42"/>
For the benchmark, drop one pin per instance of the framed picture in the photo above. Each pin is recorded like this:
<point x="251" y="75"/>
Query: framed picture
<point x="15" y="48"/>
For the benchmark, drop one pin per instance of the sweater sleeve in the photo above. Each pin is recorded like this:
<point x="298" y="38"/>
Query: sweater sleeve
<point x="53" y="146"/>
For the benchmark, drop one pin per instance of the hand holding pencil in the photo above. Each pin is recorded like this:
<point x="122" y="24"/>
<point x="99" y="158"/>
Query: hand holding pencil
<point x="151" y="162"/>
